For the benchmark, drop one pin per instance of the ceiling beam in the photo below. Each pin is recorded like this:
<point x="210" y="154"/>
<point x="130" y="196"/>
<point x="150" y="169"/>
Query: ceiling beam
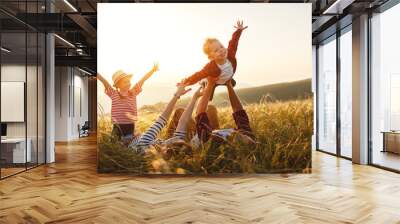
<point x="81" y="61"/>
<point x="338" y="6"/>
<point x="320" y="22"/>
<point x="84" y="24"/>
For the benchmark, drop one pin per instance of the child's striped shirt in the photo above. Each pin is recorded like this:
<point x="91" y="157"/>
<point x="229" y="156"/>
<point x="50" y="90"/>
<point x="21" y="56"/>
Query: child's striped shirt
<point x="123" y="106"/>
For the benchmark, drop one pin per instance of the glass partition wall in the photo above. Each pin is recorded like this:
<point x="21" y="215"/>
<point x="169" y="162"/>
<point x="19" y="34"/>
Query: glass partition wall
<point x="334" y="93"/>
<point x="22" y="99"/>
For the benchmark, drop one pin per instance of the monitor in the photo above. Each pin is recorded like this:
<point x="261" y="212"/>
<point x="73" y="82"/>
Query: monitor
<point x="3" y="129"/>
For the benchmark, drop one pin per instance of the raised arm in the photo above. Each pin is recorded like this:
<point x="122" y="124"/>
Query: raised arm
<point x="170" y="107"/>
<point x="240" y="116"/>
<point x="233" y="98"/>
<point x="187" y="113"/>
<point x="202" y="107"/>
<point x="207" y="70"/>
<point x="139" y="84"/>
<point x="233" y="43"/>
<point x="104" y="81"/>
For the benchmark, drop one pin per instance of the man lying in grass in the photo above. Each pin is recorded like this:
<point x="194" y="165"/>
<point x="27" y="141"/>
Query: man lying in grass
<point x="204" y="129"/>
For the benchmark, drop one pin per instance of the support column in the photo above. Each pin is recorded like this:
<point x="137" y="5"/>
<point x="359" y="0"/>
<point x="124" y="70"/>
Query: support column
<point x="360" y="89"/>
<point x="50" y="92"/>
<point x="92" y="103"/>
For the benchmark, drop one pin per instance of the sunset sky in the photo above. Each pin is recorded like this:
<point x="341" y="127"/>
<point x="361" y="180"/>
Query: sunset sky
<point x="275" y="48"/>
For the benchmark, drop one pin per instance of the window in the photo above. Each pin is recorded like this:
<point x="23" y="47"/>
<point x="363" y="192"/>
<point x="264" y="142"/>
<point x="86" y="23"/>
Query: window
<point x="394" y="102"/>
<point x="346" y="93"/>
<point x="327" y="96"/>
<point x="385" y="89"/>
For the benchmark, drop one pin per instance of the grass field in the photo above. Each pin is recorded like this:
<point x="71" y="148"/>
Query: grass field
<point x="283" y="131"/>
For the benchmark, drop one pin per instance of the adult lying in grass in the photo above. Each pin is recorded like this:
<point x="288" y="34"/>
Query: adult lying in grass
<point x="150" y="138"/>
<point x="212" y="150"/>
<point x="204" y="129"/>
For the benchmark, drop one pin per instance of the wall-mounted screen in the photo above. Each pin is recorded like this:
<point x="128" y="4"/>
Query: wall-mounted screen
<point x="12" y="101"/>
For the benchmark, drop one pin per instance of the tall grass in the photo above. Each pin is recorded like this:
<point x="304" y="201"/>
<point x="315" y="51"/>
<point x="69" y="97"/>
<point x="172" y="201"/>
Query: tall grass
<point x="283" y="131"/>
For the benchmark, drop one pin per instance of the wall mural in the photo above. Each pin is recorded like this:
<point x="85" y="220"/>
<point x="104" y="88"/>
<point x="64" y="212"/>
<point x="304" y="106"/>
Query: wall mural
<point x="204" y="88"/>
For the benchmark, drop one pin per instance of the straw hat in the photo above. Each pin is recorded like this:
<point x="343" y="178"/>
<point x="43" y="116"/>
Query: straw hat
<point x="118" y="75"/>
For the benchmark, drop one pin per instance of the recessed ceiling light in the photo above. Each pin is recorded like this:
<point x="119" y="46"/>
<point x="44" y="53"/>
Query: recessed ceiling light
<point x="70" y="5"/>
<point x="84" y="71"/>
<point x="338" y="6"/>
<point x="5" y="50"/>
<point x="64" y="40"/>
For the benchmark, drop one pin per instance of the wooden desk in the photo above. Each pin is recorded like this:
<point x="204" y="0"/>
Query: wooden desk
<point x="391" y="141"/>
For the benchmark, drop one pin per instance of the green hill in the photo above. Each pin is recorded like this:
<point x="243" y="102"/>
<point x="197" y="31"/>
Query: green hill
<point x="275" y="92"/>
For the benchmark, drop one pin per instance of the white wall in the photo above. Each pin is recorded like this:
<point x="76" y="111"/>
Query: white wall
<point x="61" y="103"/>
<point x="71" y="94"/>
<point x="80" y="100"/>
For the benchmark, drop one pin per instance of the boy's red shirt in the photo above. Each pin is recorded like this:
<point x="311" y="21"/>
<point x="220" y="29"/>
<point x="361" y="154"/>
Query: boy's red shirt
<point x="211" y="68"/>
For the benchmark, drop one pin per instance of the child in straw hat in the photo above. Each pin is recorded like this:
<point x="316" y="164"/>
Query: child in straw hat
<point x="123" y="101"/>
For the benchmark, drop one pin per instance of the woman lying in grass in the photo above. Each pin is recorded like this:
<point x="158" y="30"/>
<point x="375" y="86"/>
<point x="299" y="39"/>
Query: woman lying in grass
<point x="143" y="142"/>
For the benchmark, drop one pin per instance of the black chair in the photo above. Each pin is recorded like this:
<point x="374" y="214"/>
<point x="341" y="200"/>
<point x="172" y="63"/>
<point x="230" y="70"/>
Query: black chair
<point x="84" y="130"/>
